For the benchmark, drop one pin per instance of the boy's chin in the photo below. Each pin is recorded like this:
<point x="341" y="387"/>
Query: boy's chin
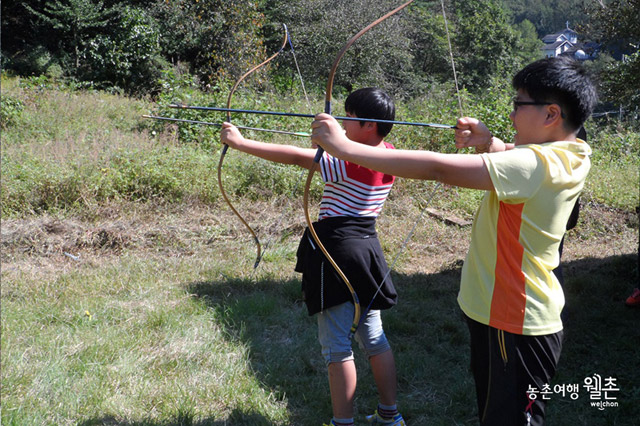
<point x="519" y="140"/>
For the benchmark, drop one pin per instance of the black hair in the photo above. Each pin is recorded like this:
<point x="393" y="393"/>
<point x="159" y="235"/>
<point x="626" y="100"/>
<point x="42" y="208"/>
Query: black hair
<point x="371" y="102"/>
<point x="563" y="81"/>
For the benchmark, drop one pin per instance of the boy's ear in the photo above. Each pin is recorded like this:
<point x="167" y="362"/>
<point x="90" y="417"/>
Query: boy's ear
<point x="371" y="126"/>
<point x="554" y="114"/>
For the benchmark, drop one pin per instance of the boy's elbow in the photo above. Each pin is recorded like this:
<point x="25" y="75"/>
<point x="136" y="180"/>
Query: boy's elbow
<point x="439" y="175"/>
<point x="437" y="171"/>
<point x="304" y="161"/>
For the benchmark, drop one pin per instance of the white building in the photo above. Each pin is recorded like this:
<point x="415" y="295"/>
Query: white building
<point x="561" y="42"/>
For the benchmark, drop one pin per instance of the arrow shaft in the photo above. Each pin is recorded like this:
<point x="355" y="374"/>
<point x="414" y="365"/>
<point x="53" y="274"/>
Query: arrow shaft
<point x="297" y="114"/>
<point x="208" y="123"/>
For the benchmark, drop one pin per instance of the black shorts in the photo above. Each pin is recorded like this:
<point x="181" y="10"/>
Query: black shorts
<point x="505" y="366"/>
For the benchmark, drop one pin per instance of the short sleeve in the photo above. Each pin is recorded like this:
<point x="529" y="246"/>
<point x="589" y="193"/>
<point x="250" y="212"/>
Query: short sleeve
<point x="516" y="174"/>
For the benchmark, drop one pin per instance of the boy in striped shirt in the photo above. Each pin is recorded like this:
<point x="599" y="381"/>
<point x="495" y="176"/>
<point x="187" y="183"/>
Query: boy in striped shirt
<point x="352" y="199"/>
<point x="508" y="293"/>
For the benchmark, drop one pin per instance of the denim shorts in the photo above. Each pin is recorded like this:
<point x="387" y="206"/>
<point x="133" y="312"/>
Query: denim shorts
<point x="333" y="333"/>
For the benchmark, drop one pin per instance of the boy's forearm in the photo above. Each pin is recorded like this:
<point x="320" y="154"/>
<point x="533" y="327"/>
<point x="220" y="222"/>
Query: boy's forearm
<point x="284" y="154"/>
<point x="468" y="171"/>
<point x="401" y="163"/>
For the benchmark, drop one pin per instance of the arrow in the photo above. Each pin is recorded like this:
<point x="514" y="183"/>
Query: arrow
<point x="207" y="123"/>
<point x="297" y="114"/>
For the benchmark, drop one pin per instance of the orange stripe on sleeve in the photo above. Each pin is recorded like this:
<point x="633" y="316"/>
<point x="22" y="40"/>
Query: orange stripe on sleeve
<point x="509" y="296"/>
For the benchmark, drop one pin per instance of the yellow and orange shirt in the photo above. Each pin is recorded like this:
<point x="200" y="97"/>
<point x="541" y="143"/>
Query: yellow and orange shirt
<point x="507" y="279"/>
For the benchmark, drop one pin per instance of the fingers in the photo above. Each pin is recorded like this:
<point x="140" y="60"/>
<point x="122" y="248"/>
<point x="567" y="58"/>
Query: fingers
<point x="467" y="122"/>
<point x="471" y="132"/>
<point x="322" y="120"/>
<point x="327" y="133"/>
<point x="321" y="128"/>
<point x="463" y="132"/>
<point x="462" y="138"/>
<point x="230" y="135"/>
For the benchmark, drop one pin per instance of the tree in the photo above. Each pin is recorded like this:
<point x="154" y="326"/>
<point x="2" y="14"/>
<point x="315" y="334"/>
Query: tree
<point x="382" y="57"/>
<point x="74" y="23"/>
<point x="529" y="46"/>
<point x="216" y="38"/>
<point x="548" y="16"/>
<point x="427" y="32"/>
<point x="485" y="43"/>
<point x="21" y="52"/>
<point x="617" y="27"/>
<point x="128" y="57"/>
<point x="114" y="45"/>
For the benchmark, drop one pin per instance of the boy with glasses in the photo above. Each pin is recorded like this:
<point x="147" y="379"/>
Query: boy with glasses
<point x="508" y="293"/>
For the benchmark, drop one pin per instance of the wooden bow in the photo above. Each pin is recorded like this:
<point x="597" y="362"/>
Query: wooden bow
<point x="437" y="186"/>
<point x="226" y="147"/>
<point x="316" y="160"/>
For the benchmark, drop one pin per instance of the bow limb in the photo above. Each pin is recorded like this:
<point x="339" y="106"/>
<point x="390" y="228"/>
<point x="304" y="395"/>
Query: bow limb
<point x="225" y="148"/>
<point x="319" y="152"/>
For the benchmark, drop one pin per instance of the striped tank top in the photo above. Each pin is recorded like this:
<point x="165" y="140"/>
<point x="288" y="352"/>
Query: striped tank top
<point x="352" y="190"/>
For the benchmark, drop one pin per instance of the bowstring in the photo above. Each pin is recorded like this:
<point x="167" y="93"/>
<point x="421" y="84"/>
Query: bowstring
<point x="295" y="61"/>
<point x="453" y="63"/>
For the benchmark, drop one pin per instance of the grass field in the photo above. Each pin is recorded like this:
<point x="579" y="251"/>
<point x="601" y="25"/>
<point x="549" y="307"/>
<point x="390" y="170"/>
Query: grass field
<point x="128" y="295"/>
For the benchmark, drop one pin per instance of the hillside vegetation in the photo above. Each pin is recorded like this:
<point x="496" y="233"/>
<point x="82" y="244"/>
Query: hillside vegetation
<point x="129" y="298"/>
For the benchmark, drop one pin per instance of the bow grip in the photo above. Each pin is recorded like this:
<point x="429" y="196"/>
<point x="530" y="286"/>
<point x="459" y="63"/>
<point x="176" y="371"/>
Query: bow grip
<point x="318" y="156"/>
<point x="327" y="110"/>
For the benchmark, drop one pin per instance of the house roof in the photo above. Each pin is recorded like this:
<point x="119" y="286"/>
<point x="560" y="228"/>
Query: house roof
<point x="564" y="34"/>
<point x="552" y="38"/>
<point x="557" y="44"/>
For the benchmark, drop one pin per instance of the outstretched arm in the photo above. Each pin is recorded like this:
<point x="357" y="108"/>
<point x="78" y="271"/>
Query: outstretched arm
<point x="285" y="154"/>
<point x="467" y="171"/>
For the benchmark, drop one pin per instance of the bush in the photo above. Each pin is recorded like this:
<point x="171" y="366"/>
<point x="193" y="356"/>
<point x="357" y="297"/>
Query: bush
<point x="34" y="61"/>
<point x="10" y="110"/>
<point x="128" y="57"/>
<point x="614" y="178"/>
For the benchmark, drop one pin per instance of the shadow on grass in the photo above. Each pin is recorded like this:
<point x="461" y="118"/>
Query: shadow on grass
<point x="602" y="336"/>
<point x="426" y="331"/>
<point x="236" y="418"/>
<point x="270" y="319"/>
<point x="430" y="343"/>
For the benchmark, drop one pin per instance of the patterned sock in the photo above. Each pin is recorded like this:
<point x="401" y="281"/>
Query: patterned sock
<point x="387" y="412"/>
<point x="343" y="422"/>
